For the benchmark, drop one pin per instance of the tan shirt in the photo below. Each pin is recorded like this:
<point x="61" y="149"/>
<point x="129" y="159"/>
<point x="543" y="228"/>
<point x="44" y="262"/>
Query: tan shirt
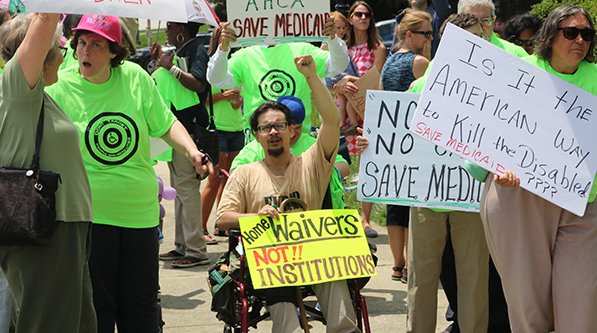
<point x="252" y="186"/>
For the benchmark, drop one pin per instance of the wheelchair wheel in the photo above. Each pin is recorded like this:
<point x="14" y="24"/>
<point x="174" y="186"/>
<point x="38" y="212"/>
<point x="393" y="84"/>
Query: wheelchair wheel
<point x="230" y="329"/>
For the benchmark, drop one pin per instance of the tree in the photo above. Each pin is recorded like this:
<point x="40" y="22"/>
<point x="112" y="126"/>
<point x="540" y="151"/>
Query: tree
<point x="542" y="10"/>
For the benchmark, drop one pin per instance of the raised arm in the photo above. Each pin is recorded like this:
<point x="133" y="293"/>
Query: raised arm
<point x="329" y="132"/>
<point x="34" y="49"/>
<point x="338" y="58"/>
<point x="217" y="68"/>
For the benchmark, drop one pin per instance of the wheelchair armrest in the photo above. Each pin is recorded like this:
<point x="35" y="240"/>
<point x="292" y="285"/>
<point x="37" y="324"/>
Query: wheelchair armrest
<point x="234" y="232"/>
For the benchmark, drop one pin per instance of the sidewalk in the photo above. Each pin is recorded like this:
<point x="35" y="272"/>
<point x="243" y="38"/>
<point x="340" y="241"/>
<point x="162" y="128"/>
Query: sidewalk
<point x="186" y="299"/>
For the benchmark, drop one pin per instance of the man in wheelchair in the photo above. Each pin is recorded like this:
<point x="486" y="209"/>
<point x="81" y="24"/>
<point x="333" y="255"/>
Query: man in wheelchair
<point x="259" y="189"/>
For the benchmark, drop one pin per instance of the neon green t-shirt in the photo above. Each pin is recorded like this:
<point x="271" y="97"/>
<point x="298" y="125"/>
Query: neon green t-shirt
<point x="269" y="72"/>
<point x="172" y="91"/>
<point x="253" y="152"/>
<point x="115" y="120"/>
<point x="225" y="116"/>
<point x="507" y="46"/>
<point x="69" y="60"/>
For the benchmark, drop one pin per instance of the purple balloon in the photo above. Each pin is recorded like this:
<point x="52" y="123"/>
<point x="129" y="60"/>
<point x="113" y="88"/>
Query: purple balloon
<point x="160" y="185"/>
<point x="169" y="193"/>
<point x="162" y="212"/>
<point x="160" y="198"/>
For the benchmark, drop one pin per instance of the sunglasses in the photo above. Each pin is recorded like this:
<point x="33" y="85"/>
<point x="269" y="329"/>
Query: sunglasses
<point x="170" y="25"/>
<point x="265" y="129"/>
<point x="527" y="43"/>
<point x="361" y="14"/>
<point x="571" y="33"/>
<point x="427" y="34"/>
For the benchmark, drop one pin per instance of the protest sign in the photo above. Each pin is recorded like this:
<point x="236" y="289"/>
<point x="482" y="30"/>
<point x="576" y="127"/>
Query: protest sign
<point x="369" y="81"/>
<point x="402" y="169"/>
<point x="166" y="10"/>
<point x="280" y="21"/>
<point x="502" y="113"/>
<point x="305" y="248"/>
<point x="157" y="146"/>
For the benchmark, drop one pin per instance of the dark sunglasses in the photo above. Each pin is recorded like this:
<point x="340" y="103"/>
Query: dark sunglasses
<point x="361" y="14"/>
<point x="170" y="25"/>
<point x="527" y="43"/>
<point x="427" y="34"/>
<point x="571" y="33"/>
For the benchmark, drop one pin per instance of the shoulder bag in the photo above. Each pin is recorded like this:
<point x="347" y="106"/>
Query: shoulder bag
<point x="207" y="140"/>
<point x="27" y="201"/>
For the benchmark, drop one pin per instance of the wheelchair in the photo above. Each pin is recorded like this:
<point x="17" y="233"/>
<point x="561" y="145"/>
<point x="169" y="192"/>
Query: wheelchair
<point x="243" y="306"/>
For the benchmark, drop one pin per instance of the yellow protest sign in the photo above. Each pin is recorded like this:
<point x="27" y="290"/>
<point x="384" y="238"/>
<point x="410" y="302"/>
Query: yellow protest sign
<point x="306" y="248"/>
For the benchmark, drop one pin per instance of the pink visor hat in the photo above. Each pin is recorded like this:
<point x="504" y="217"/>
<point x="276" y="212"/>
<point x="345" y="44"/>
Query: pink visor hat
<point x="105" y="26"/>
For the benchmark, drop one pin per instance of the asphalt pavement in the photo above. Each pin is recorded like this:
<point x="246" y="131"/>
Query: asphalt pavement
<point x="186" y="299"/>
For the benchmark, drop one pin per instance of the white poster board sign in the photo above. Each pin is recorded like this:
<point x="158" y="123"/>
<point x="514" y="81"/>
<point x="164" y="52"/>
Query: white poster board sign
<point x="157" y="146"/>
<point x="166" y="10"/>
<point x="402" y="169"/>
<point x="277" y="21"/>
<point x="502" y="113"/>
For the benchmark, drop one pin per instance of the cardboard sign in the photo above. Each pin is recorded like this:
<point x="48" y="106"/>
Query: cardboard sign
<point x="166" y="10"/>
<point x="277" y="21"/>
<point x="502" y="113"/>
<point x="369" y="81"/>
<point x="402" y="169"/>
<point x="157" y="146"/>
<point x="306" y="248"/>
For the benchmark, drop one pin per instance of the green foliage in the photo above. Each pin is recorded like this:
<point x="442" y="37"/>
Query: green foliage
<point x="542" y="9"/>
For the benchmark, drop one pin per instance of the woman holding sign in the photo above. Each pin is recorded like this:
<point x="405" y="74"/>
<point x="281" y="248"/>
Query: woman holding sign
<point x="365" y="50"/>
<point x="542" y="251"/>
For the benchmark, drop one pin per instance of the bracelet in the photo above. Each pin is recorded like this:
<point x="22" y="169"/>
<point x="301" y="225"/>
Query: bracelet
<point x="176" y="71"/>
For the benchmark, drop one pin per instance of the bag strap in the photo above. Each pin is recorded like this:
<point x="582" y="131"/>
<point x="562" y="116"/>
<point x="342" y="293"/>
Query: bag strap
<point x="38" y="137"/>
<point x="212" y="124"/>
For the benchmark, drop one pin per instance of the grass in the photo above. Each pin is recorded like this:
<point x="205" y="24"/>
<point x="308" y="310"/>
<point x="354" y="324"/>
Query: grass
<point x="378" y="213"/>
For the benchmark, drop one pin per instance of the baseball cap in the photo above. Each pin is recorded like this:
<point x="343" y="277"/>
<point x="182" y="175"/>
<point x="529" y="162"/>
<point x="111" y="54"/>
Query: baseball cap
<point x="296" y="106"/>
<point x="105" y="26"/>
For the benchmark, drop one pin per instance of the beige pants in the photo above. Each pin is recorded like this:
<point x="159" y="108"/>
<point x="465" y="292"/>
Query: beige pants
<point x="188" y="234"/>
<point x="336" y="305"/>
<point x="542" y="251"/>
<point x="427" y="238"/>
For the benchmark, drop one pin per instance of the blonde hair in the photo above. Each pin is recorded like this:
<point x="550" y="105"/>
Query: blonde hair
<point x="13" y="32"/>
<point x="412" y="20"/>
<point x="338" y="17"/>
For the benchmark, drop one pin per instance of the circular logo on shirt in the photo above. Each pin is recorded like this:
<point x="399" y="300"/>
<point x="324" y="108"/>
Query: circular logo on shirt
<point x="276" y="83"/>
<point x="112" y="138"/>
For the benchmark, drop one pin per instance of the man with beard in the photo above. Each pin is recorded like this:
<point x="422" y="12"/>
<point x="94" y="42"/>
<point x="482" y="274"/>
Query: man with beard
<point x="259" y="188"/>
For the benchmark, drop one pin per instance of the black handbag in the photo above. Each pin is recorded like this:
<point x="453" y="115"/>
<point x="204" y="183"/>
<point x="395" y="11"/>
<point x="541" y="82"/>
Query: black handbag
<point x="207" y="140"/>
<point x="27" y="201"/>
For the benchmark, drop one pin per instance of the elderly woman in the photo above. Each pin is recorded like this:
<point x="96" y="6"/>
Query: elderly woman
<point x="116" y="108"/>
<point x="541" y="250"/>
<point x="51" y="285"/>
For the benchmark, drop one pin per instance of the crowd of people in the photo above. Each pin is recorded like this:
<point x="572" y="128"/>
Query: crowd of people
<point x="511" y="267"/>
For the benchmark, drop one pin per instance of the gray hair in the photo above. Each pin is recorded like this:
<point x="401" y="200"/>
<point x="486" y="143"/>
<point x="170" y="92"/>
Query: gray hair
<point x="13" y="32"/>
<point x="550" y="29"/>
<point x="464" y="3"/>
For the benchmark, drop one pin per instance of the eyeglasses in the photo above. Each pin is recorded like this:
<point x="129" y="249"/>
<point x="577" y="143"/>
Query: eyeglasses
<point x="265" y="129"/>
<point x="527" y="43"/>
<point x="571" y="33"/>
<point x="63" y="50"/>
<point x="361" y="14"/>
<point x="487" y="20"/>
<point x="427" y="34"/>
